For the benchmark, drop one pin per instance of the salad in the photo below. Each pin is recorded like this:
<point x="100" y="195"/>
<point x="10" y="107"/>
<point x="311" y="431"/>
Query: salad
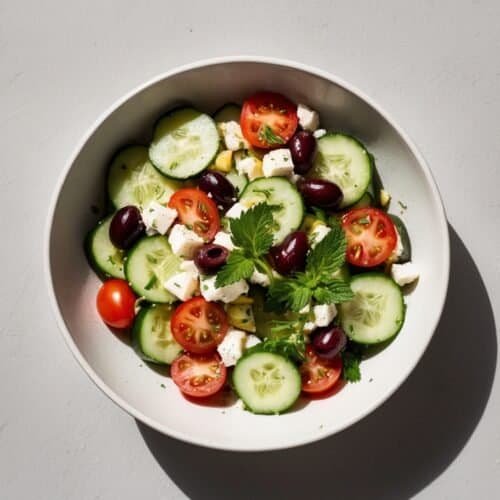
<point x="251" y="251"/>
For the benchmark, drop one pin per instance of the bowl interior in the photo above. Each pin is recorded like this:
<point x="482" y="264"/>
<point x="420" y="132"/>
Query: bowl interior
<point x="146" y="392"/>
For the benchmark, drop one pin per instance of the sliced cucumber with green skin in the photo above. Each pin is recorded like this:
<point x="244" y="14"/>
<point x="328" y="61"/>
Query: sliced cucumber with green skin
<point x="153" y="339"/>
<point x="238" y="181"/>
<point x="377" y="311"/>
<point x="132" y="180"/>
<point x="365" y="201"/>
<point x="342" y="159"/>
<point x="184" y="143"/>
<point x="148" y="265"/>
<point x="266" y="382"/>
<point x="228" y="113"/>
<point x="104" y="257"/>
<point x="281" y="193"/>
<point x="405" y="239"/>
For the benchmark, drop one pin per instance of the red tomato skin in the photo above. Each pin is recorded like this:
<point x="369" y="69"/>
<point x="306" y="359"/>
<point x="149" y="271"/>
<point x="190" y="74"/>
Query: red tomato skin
<point x="310" y="368"/>
<point x="379" y="236"/>
<point x="195" y="315"/>
<point x="198" y="211"/>
<point x="210" y="371"/>
<point x="116" y="303"/>
<point x="273" y="110"/>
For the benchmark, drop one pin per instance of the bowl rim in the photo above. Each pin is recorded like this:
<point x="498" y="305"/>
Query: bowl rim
<point x="441" y="224"/>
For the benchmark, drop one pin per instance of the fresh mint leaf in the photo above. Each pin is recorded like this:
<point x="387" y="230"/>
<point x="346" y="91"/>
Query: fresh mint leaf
<point x="333" y="292"/>
<point x="238" y="267"/>
<point x="252" y="231"/>
<point x="289" y="294"/>
<point x="328" y="255"/>
<point x="350" y="366"/>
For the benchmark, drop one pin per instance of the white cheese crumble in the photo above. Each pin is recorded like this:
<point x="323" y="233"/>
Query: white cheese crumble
<point x="157" y="218"/>
<point x="182" y="285"/>
<point x="278" y="163"/>
<point x="233" y="137"/>
<point x="308" y="119"/>
<point x="225" y="294"/>
<point x="403" y="274"/>
<point x="184" y="242"/>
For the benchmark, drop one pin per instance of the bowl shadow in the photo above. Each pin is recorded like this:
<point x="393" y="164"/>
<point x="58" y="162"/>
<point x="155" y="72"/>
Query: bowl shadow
<point x="394" y="452"/>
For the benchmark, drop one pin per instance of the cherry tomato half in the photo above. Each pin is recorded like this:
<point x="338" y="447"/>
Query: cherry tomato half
<point x="199" y="376"/>
<point x="268" y="120"/>
<point x="116" y="303"/>
<point x="371" y="236"/>
<point x="199" y="326"/>
<point x="319" y="375"/>
<point x="197" y="211"/>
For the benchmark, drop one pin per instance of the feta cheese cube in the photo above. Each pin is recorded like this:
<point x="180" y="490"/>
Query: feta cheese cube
<point x="249" y="166"/>
<point x="189" y="267"/>
<point x="183" y="241"/>
<point x="158" y="218"/>
<point x="278" y="163"/>
<point x="233" y="136"/>
<point x="251" y="341"/>
<point x="259" y="278"/>
<point x="318" y="233"/>
<point x="305" y="310"/>
<point x="225" y="294"/>
<point x="232" y="346"/>
<point x="224" y="239"/>
<point x="308" y="119"/>
<point x="403" y="274"/>
<point x="182" y="285"/>
<point x="236" y="210"/>
<point x="324" y="314"/>
<point x="294" y="178"/>
<point x="318" y="134"/>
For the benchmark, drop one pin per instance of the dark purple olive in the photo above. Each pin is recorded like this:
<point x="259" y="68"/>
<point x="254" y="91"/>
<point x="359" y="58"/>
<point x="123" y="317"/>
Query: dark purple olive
<point x="320" y="193"/>
<point x="290" y="255"/>
<point x="210" y="258"/>
<point x="222" y="191"/>
<point x="126" y="227"/>
<point x="303" y="148"/>
<point x="329" y="341"/>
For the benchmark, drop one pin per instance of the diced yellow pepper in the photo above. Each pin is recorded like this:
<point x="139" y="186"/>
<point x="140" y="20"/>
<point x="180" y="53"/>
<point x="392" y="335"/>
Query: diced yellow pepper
<point x="241" y="316"/>
<point x="223" y="161"/>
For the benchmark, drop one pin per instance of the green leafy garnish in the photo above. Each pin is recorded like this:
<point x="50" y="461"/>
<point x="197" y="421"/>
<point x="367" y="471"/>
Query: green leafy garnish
<point x="292" y="347"/>
<point x="316" y="282"/>
<point x="350" y="366"/>
<point x="252" y="232"/>
<point x="266" y="134"/>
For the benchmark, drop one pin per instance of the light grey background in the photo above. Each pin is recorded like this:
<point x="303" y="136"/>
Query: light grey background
<point x="434" y="65"/>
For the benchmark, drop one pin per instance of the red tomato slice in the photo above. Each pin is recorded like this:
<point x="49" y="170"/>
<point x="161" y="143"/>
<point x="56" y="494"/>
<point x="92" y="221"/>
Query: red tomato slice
<point x="199" y="376"/>
<point x="319" y="375"/>
<point x="116" y="303"/>
<point x="197" y="211"/>
<point x="268" y="120"/>
<point x="199" y="326"/>
<point x="371" y="236"/>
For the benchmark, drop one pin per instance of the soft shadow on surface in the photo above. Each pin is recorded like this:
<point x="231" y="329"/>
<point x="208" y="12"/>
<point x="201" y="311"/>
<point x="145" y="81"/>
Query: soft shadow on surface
<point x="393" y="453"/>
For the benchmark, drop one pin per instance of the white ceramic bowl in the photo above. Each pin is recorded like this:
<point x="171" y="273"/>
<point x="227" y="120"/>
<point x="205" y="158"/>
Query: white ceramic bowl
<point x="116" y="369"/>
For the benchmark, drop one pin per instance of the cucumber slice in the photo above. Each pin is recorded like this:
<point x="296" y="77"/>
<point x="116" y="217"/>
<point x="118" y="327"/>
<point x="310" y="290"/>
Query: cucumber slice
<point x="266" y="382"/>
<point x="153" y="340"/>
<point x="185" y="142"/>
<point x="365" y="201"/>
<point x="148" y="264"/>
<point x="238" y="181"/>
<point x="228" y="113"/>
<point x="282" y="193"/>
<point x="377" y="311"/>
<point x="104" y="257"/>
<point x="343" y="160"/>
<point x="405" y="239"/>
<point x="132" y="180"/>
